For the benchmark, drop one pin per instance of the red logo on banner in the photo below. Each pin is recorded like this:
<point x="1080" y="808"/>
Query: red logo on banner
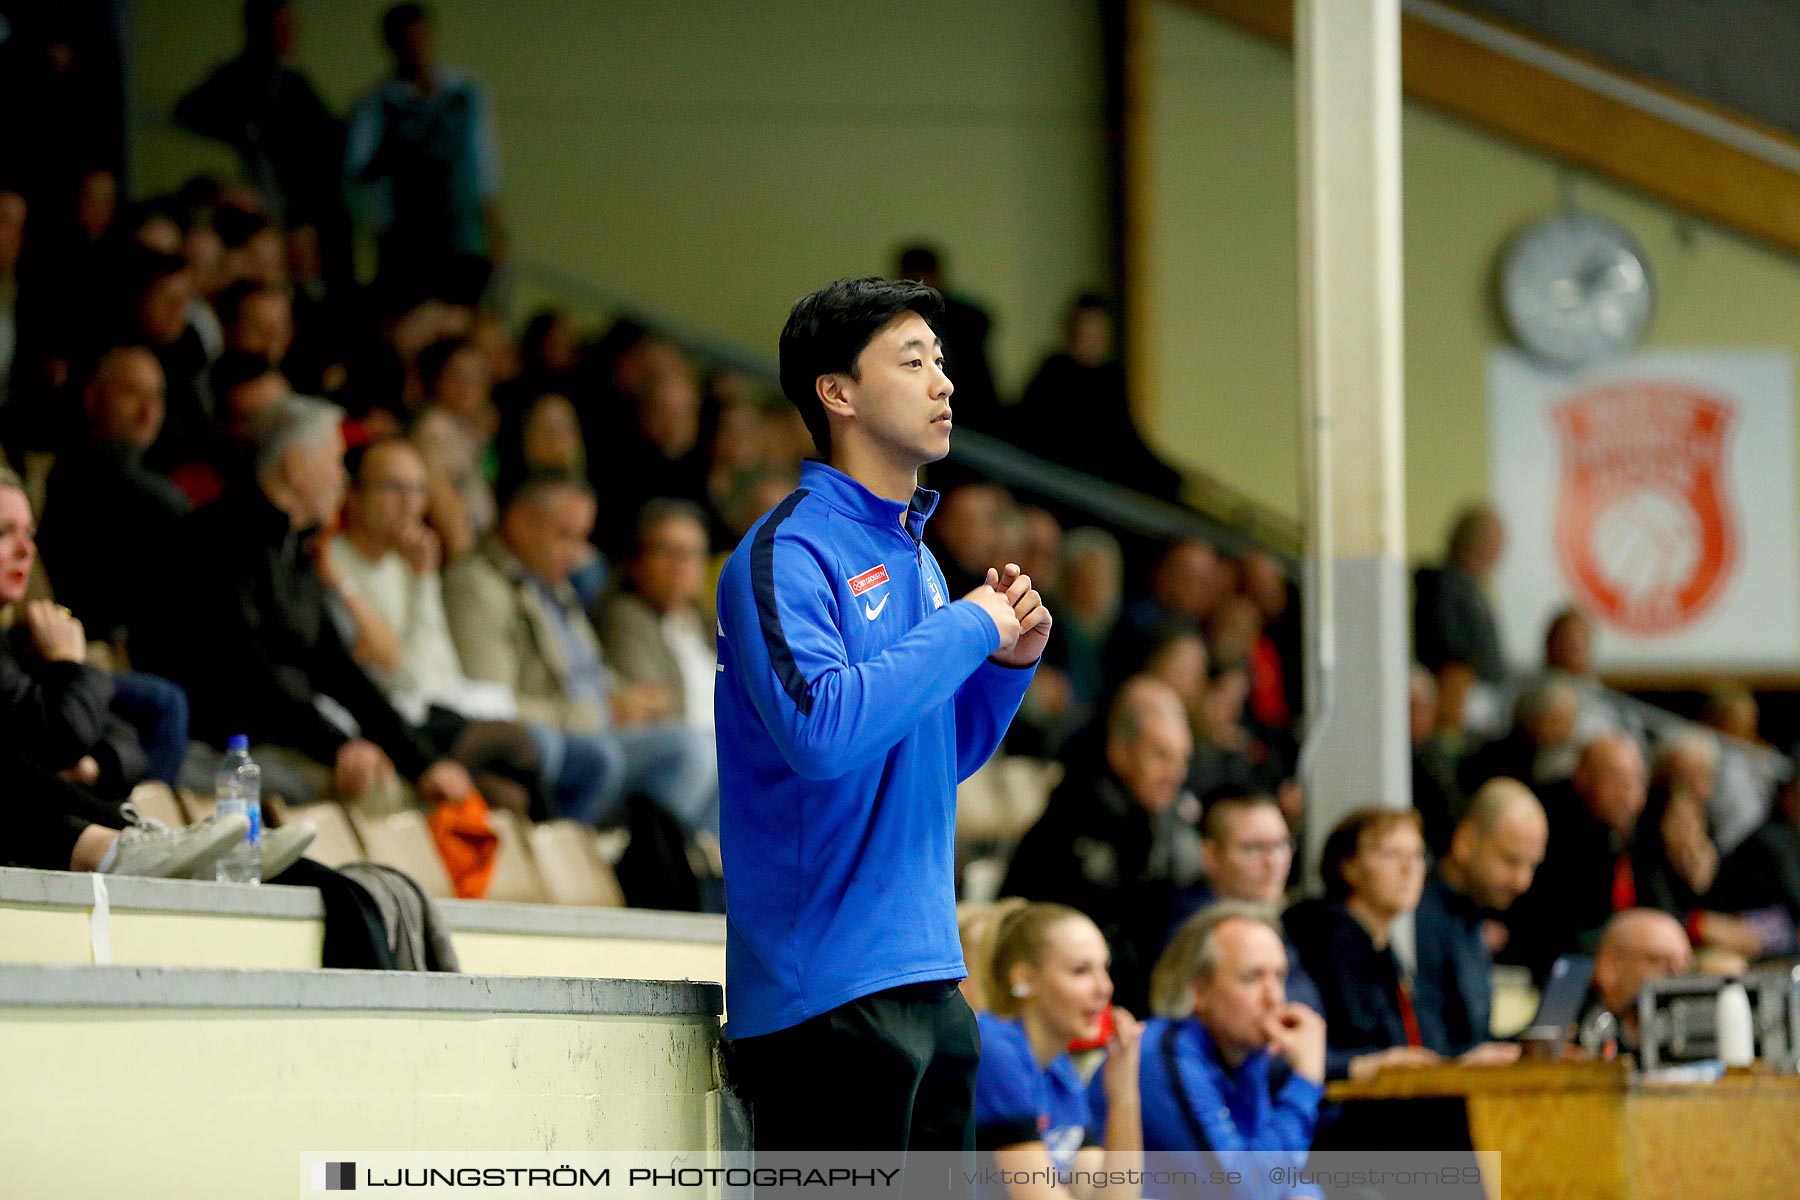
<point x="1644" y="527"/>
<point x="872" y="578"/>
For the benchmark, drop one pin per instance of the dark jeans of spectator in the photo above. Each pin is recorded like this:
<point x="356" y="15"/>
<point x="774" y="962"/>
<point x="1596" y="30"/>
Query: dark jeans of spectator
<point x="158" y="710"/>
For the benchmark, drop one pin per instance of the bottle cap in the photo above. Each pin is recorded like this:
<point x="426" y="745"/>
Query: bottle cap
<point x="237" y="742"/>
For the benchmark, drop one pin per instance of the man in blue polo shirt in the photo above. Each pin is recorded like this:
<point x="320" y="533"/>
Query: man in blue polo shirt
<point x="853" y="696"/>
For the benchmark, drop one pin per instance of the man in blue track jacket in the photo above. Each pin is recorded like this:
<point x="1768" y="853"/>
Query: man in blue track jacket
<point x="853" y="696"/>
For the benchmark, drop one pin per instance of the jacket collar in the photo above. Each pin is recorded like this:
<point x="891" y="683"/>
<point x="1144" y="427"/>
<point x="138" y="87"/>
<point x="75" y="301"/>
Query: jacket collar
<point x="494" y="550"/>
<point x="1254" y="1069"/>
<point x="851" y="498"/>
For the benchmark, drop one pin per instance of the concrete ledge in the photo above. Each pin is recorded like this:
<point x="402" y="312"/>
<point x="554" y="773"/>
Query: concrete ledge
<point x="116" y="987"/>
<point x="70" y="889"/>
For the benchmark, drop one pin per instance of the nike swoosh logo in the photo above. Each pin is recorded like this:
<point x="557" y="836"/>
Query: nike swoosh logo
<point x="872" y="613"/>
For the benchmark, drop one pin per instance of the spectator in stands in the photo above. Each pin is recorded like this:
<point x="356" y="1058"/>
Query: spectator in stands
<point x="1762" y="873"/>
<point x="1275" y="666"/>
<point x="516" y="621"/>
<point x="1637" y="946"/>
<point x="1677" y="863"/>
<point x="541" y="434"/>
<point x="257" y="318"/>
<point x="53" y="703"/>
<point x="1374" y="868"/>
<point x="107" y="518"/>
<point x="1678" y="867"/>
<point x="1247" y="852"/>
<point x="1569" y="655"/>
<point x="1048" y="984"/>
<point x="1453" y="619"/>
<point x="54" y="825"/>
<point x="1732" y="710"/>
<point x="1437" y="795"/>
<point x="965" y="327"/>
<point x="1118" y="841"/>
<point x="156" y="290"/>
<point x="1587" y="874"/>
<point x="1492" y="857"/>
<point x="1093" y="581"/>
<point x="658" y="449"/>
<point x="254" y="249"/>
<point x="1076" y="410"/>
<point x="966" y="533"/>
<point x="384" y="568"/>
<point x="250" y="637"/>
<point x="654" y="633"/>
<point x="1228" y="755"/>
<point x="549" y="354"/>
<point x="1232" y="1062"/>
<point x="245" y="385"/>
<point x="1541" y="747"/>
<point x="1185" y="585"/>
<point x="288" y="143"/>
<point x="423" y="146"/>
<point x="453" y="432"/>
<point x="1746" y="780"/>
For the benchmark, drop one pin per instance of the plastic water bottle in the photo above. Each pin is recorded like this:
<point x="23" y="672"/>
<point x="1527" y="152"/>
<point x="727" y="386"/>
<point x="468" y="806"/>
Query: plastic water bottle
<point x="239" y="790"/>
<point x="1737" y="1026"/>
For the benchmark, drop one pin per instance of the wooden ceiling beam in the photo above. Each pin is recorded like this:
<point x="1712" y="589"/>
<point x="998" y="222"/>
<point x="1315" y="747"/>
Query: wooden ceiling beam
<point x="1548" y="113"/>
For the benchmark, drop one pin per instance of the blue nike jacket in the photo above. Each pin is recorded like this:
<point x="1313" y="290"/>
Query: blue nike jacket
<point x="853" y="697"/>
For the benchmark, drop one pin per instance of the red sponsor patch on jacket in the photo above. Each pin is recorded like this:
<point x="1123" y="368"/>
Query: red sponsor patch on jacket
<point x="872" y="578"/>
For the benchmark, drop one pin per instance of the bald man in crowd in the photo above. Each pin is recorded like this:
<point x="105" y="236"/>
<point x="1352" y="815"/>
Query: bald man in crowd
<point x="1118" y="844"/>
<point x="1637" y="946"/>
<point x="1587" y="871"/>
<point x="108" y="519"/>
<point x="1494" y="854"/>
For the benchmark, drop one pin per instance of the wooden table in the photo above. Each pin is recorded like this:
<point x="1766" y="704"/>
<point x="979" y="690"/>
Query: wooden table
<point x="1588" y="1131"/>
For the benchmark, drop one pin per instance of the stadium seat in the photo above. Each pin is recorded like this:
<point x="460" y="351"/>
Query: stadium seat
<point x="573" y="871"/>
<point x="336" y="843"/>
<point x="516" y="875"/>
<point x="157" y="801"/>
<point x="403" y="840"/>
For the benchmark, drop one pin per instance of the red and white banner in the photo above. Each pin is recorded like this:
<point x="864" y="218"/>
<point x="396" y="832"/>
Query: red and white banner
<point x="1657" y="493"/>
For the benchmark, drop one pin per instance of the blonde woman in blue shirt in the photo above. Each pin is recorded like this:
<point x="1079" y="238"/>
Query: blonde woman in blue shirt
<point x="1048" y="985"/>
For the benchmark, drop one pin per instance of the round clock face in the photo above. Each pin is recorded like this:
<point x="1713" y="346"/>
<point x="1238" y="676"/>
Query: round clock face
<point x="1576" y="289"/>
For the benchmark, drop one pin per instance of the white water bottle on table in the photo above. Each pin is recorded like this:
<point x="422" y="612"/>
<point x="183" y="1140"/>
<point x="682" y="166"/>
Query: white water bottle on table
<point x="239" y="790"/>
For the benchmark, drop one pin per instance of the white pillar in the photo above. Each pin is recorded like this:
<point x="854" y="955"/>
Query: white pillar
<point x="1347" y="73"/>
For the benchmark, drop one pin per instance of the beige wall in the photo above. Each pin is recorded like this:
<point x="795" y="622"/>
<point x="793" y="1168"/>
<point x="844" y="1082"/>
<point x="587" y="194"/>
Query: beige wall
<point x="1220" y="311"/>
<point x="219" y="1104"/>
<point x="719" y="159"/>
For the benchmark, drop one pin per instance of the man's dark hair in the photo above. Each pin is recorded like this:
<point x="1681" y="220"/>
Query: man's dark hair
<point x="918" y="262"/>
<point x="827" y="331"/>
<point x="394" y="23"/>
<point x="1222" y="803"/>
<point x="234" y="369"/>
<point x="357" y="457"/>
<point x="537" y="485"/>
<point x="663" y="509"/>
<point x="236" y="226"/>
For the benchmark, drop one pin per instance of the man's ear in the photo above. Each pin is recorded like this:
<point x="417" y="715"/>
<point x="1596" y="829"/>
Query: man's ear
<point x="834" y="393"/>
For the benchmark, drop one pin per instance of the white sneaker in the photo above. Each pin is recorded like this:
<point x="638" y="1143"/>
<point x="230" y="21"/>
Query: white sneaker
<point x="158" y="852"/>
<point x="282" y="848"/>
